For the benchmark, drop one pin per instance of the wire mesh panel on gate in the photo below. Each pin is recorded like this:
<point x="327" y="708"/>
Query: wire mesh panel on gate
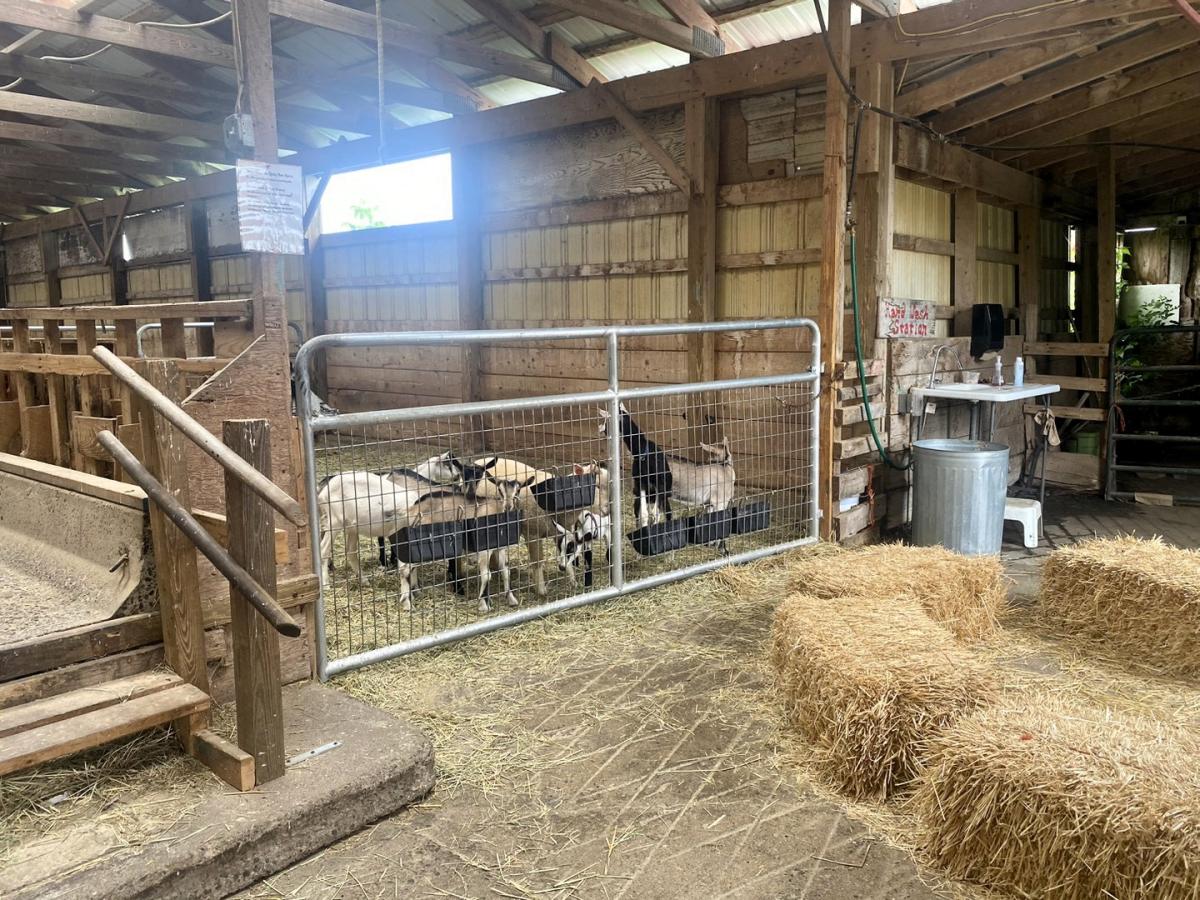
<point x="432" y="523"/>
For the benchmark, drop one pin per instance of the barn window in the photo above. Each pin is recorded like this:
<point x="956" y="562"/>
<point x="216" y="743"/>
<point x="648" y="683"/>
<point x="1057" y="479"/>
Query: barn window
<point x="403" y="193"/>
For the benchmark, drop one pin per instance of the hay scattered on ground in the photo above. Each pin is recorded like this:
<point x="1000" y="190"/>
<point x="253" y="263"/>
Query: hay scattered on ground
<point x="968" y="595"/>
<point x="1057" y="799"/>
<point x="871" y="681"/>
<point x="1140" y="598"/>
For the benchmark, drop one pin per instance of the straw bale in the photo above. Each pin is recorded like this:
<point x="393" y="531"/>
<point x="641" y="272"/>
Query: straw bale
<point x="1051" y="798"/>
<point x="1138" y="598"/>
<point x="869" y="681"/>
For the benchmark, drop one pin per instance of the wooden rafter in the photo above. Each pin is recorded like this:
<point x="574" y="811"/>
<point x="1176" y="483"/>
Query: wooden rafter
<point x="119" y="146"/>
<point x="95" y="114"/>
<point x="1044" y="85"/>
<point x="1120" y="112"/>
<point x="982" y="74"/>
<point x="323" y="14"/>
<point x="634" y="20"/>
<point x="545" y="44"/>
<point x="1116" y="87"/>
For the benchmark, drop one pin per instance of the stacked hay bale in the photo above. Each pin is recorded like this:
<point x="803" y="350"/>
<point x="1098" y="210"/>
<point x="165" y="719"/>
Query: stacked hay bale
<point x="1054" y="799"/>
<point x="1138" y="597"/>
<point x="965" y="594"/>
<point x="870" y="681"/>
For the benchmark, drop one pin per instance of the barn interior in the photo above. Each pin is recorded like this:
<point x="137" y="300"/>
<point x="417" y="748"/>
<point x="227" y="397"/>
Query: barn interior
<point x="813" y="233"/>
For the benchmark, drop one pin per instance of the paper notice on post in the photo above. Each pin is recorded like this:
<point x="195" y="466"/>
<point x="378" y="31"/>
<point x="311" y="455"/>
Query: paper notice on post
<point x="270" y="205"/>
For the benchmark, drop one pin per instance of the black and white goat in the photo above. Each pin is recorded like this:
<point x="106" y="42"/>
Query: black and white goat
<point x="659" y="477"/>
<point x="575" y="545"/>
<point x="653" y="481"/>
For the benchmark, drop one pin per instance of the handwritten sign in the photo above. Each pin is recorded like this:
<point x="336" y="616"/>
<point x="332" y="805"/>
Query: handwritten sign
<point x="906" y="318"/>
<point x="270" y="206"/>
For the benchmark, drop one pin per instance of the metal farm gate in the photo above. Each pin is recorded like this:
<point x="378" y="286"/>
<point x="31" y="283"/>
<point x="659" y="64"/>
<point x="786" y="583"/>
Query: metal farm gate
<point x="437" y="523"/>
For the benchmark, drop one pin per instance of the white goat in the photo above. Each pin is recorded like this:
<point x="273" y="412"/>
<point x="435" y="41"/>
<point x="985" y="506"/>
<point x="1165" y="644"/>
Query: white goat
<point x="359" y="503"/>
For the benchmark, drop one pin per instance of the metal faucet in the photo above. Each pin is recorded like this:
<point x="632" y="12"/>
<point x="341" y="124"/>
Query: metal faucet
<point x="937" y="353"/>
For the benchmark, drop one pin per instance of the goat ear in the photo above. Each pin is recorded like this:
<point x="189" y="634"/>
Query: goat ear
<point x="558" y="527"/>
<point x="709" y="448"/>
<point x="603" y="412"/>
<point x="491" y="463"/>
<point x="578" y="469"/>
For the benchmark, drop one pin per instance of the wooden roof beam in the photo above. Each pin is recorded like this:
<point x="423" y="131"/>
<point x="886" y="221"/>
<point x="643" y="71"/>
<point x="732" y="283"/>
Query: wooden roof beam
<point x="55" y="188"/>
<point x="323" y="14"/>
<point x="1118" y="86"/>
<point x="951" y="28"/>
<point x="1172" y="124"/>
<point x="1127" y="109"/>
<point x="1120" y="55"/>
<point x="690" y="39"/>
<point x="1000" y="67"/>
<point x="544" y="44"/>
<point x="115" y="116"/>
<point x="118" y="146"/>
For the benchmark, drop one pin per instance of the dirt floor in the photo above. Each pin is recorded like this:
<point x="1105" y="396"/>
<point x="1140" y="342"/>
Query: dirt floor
<point x="631" y="750"/>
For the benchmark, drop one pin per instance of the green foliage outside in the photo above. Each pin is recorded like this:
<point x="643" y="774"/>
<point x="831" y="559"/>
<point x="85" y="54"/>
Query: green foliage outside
<point x="364" y="215"/>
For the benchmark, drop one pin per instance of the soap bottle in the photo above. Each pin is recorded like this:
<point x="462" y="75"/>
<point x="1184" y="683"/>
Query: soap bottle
<point x="998" y="376"/>
<point x="1019" y="372"/>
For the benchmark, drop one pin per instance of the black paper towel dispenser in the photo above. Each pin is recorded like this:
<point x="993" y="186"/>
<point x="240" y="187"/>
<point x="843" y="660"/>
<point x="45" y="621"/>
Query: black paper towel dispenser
<point x="987" y="328"/>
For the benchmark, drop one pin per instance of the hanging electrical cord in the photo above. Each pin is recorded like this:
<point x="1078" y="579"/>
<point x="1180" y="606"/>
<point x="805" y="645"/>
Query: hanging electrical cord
<point x="863" y="107"/>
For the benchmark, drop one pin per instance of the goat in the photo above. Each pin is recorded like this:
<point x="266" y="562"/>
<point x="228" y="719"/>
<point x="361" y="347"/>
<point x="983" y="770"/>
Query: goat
<point x="652" y="476"/>
<point x="575" y="544"/>
<point x="359" y="503"/>
<point x="708" y="484"/>
<point x="447" y="505"/>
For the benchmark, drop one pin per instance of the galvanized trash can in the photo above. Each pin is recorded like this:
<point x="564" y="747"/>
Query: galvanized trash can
<point x="959" y="488"/>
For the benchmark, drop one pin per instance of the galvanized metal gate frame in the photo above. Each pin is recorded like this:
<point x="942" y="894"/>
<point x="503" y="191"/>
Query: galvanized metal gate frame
<point x="312" y="422"/>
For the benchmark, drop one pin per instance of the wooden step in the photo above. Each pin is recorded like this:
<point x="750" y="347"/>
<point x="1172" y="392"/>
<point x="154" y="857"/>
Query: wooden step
<point x="76" y="703"/>
<point x="55" y="739"/>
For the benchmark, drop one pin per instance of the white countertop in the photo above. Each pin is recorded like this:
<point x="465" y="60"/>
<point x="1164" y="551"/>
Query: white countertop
<point x="985" y="393"/>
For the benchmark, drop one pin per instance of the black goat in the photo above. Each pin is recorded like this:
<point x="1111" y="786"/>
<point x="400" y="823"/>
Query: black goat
<point x="652" y="479"/>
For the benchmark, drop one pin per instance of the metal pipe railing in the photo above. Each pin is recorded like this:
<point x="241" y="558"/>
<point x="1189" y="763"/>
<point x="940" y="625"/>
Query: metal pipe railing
<point x="202" y="437"/>
<point x="255" y="593"/>
<point x="151" y="326"/>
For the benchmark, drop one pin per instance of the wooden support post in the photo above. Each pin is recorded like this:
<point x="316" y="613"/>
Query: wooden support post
<point x="85" y="342"/>
<point x="56" y="392"/>
<point x="833" y="253"/>
<point x="174" y="339"/>
<point x="702" y="120"/>
<point x="174" y="555"/>
<point x="125" y="346"/>
<point x="257" y="682"/>
<point x="201" y="267"/>
<point x="26" y="388"/>
<point x="467" y="188"/>
<point x="50" y="268"/>
<point x="966" y="279"/>
<point x="1106" y="243"/>
<point x="1029" y="269"/>
<point x="874" y="199"/>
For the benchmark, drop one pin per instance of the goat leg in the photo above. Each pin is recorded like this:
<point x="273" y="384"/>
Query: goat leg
<point x="506" y="577"/>
<point x="454" y="575"/>
<point x="406" y="573"/>
<point x="485" y="578"/>
<point x="587" y="567"/>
